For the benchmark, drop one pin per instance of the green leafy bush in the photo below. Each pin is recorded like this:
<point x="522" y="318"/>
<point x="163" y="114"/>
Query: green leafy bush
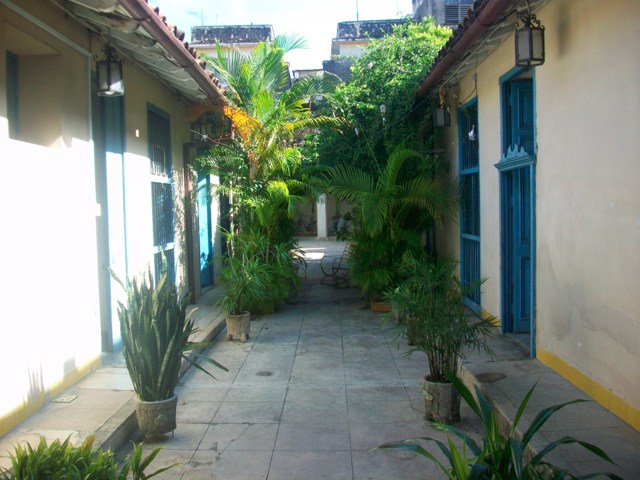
<point x="500" y="457"/>
<point x="431" y="297"/>
<point x="61" y="460"/>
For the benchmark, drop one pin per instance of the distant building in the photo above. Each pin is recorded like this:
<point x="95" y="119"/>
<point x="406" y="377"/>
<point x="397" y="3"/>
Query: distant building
<point x="446" y="12"/>
<point x="298" y="74"/>
<point x="352" y="37"/>
<point x="350" y="41"/>
<point x="242" y="37"/>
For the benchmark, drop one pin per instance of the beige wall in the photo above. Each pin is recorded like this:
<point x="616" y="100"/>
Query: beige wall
<point x="587" y="202"/>
<point x="50" y="334"/>
<point x="141" y="90"/>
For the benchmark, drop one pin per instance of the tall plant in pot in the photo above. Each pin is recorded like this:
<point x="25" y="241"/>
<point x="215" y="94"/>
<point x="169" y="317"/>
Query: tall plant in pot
<point x="247" y="285"/>
<point x="431" y="297"/>
<point x="156" y="337"/>
<point x="391" y="210"/>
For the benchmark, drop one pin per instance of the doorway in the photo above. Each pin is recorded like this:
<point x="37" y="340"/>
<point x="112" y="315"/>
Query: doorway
<point x="517" y="204"/>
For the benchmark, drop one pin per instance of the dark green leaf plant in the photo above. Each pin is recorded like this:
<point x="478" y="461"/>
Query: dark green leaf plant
<point x="156" y="336"/>
<point x="431" y="298"/>
<point x="61" y="460"/>
<point x="499" y="456"/>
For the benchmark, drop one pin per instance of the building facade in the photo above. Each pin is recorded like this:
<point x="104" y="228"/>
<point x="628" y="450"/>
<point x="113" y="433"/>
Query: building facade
<point x="546" y="158"/>
<point x="93" y="182"/>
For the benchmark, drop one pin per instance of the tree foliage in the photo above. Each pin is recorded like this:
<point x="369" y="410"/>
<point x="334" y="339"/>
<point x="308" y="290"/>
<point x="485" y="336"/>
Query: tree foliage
<point x="378" y="100"/>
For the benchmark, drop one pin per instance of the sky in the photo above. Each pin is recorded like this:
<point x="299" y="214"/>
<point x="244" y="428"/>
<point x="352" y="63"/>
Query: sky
<point x="314" y="20"/>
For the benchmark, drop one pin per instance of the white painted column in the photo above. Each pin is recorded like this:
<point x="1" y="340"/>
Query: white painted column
<point x="321" y="216"/>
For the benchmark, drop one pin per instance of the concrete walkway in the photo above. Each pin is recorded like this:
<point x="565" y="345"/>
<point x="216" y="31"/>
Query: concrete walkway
<point x="318" y="385"/>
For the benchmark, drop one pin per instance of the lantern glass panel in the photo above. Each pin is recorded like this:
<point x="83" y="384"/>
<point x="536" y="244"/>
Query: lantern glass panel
<point x="537" y="44"/>
<point x="441" y="117"/>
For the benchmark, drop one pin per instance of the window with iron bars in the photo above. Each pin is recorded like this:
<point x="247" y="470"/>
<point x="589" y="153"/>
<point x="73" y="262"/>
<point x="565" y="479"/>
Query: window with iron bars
<point x="162" y="205"/>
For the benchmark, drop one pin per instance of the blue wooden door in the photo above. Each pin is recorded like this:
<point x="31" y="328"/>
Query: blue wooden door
<point x="205" y="231"/>
<point x="470" y="208"/>
<point x="112" y="122"/>
<point x="518" y="254"/>
<point x="517" y="207"/>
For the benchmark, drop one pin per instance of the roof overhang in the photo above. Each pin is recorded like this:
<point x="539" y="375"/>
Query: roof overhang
<point x="480" y="33"/>
<point x="139" y="34"/>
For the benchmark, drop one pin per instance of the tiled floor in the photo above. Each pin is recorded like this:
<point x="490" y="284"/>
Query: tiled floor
<point x="316" y="389"/>
<point x="319" y="385"/>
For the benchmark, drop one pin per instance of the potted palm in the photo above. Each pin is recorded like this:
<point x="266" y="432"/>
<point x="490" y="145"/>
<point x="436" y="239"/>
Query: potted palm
<point x="390" y="210"/>
<point x="156" y="336"/>
<point x="246" y="280"/>
<point x="431" y="298"/>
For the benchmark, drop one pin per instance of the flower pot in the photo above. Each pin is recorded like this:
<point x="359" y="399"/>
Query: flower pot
<point x="156" y="418"/>
<point x="441" y="402"/>
<point x="238" y="326"/>
<point x="380" y="307"/>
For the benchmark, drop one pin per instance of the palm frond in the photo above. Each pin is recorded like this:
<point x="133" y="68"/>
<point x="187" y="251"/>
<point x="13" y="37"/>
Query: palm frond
<point x="289" y="43"/>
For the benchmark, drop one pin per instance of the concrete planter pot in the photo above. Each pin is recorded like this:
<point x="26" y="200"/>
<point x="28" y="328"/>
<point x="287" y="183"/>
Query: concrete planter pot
<point x="239" y="326"/>
<point x="156" y="418"/>
<point x="441" y="402"/>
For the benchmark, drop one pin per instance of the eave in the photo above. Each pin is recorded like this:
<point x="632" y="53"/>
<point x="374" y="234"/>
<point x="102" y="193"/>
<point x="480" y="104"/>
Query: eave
<point x="480" y="33"/>
<point x="141" y="35"/>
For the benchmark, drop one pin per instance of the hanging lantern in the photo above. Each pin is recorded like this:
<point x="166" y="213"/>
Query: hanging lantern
<point x="441" y="116"/>
<point x="529" y="42"/>
<point x="109" y="74"/>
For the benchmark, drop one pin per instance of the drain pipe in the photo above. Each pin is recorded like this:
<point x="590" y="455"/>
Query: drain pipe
<point x="489" y="12"/>
<point x="153" y="24"/>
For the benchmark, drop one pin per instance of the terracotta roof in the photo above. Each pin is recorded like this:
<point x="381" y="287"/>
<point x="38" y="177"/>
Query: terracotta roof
<point x="481" y="31"/>
<point x="142" y="34"/>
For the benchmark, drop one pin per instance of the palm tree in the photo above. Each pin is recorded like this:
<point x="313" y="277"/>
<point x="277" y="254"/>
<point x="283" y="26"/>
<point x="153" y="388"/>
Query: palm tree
<point x="265" y="112"/>
<point x="390" y="215"/>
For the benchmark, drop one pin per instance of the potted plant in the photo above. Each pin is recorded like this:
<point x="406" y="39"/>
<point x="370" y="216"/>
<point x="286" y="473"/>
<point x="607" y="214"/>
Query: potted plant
<point x="155" y="339"/>
<point x="431" y="297"/>
<point x="391" y="210"/>
<point x="499" y="455"/>
<point x="247" y="285"/>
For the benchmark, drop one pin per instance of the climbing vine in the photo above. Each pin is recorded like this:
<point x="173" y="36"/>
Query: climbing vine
<point x="378" y="100"/>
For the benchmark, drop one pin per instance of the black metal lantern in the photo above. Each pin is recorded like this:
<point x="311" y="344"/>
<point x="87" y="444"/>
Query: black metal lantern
<point x="441" y="116"/>
<point x="198" y="131"/>
<point x="109" y="74"/>
<point x="529" y="42"/>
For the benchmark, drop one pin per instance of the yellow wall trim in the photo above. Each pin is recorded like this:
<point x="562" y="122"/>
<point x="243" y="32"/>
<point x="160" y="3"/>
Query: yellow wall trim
<point x="488" y="316"/>
<point x="28" y="408"/>
<point x="600" y="394"/>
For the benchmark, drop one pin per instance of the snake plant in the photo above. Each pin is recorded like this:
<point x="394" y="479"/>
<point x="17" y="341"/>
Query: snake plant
<point x="155" y="336"/>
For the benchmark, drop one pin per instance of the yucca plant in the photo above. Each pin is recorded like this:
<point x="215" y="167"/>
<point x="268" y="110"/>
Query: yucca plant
<point x="61" y="460"/>
<point x="500" y="456"/>
<point x="155" y="336"/>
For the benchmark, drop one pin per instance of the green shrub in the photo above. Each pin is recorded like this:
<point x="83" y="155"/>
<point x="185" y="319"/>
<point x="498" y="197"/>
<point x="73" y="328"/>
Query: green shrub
<point x="500" y="457"/>
<point x="61" y="460"/>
